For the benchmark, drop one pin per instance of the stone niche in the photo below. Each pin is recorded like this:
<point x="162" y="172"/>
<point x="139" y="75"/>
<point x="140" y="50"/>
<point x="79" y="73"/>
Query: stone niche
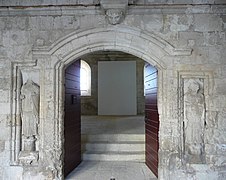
<point x="25" y="119"/>
<point x="193" y="93"/>
<point x="194" y="120"/>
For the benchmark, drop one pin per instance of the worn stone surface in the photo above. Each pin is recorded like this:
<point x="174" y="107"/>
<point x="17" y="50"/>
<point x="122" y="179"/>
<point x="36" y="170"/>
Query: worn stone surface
<point x="183" y="41"/>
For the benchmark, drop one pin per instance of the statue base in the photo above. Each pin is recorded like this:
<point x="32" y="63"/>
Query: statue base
<point x="28" y="158"/>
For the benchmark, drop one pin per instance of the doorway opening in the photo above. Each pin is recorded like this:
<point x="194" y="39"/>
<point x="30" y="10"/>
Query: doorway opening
<point x="84" y="116"/>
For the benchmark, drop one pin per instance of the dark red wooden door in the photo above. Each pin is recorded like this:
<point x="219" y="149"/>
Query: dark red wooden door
<point x="72" y="119"/>
<point x="151" y="118"/>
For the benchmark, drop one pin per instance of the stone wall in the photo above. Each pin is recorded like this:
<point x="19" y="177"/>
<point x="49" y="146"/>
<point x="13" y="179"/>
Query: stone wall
<point x="89" y="104"/>
<point x="185" y="42"/>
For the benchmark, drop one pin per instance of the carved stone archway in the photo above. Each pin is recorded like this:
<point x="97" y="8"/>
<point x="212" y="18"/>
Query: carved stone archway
<point x="53" y="59"/>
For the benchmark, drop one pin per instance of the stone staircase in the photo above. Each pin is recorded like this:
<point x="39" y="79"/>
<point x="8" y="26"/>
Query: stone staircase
<point x="113" y="147"/>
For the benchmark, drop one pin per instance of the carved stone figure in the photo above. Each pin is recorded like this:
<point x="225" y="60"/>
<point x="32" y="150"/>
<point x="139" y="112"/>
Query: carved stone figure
<point x="114" y="16"/>
<point x="30" y="96"/>
<point x="194" y="119"/>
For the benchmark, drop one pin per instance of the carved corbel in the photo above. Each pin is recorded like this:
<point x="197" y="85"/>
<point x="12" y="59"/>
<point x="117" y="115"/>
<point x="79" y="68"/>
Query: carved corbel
<point x="115" y="11"/>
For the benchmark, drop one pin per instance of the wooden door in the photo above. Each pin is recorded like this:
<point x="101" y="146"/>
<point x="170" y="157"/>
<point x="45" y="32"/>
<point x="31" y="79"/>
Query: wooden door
<point x="72" y="119"/>
<point x="151" y="118"/>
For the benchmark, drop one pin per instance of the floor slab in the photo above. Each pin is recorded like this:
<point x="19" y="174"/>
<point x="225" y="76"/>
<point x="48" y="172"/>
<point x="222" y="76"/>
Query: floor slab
<point x="111" y="170"/>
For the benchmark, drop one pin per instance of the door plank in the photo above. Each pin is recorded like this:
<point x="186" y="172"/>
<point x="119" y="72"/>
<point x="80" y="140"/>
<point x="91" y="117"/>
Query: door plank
<point x="151" y="118"/>
<point x="72" y="118"/>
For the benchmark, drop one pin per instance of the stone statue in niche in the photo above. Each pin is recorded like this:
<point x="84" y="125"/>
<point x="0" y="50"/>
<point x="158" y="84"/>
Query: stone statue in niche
<point x="30" y="96"/>
<point x="194" y="120"/>
<point x="114" y="16"/>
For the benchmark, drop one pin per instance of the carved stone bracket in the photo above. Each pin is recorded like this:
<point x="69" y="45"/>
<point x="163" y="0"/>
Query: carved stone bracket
<point x="115" y="11"/>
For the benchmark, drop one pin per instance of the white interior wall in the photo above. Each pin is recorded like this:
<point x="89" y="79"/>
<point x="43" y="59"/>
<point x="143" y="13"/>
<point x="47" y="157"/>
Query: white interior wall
<point x="117" y="88"/>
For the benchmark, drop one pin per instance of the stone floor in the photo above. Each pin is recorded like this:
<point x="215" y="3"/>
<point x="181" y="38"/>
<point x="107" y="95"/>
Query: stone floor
<point x="111" y="170"/>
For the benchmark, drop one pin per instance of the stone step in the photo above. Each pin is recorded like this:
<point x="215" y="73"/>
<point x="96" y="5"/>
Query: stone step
<point x="114" y="156"/>
<point x="113" y="137"/>
<point x="113" y="147"/>
<point x="131" y="146"/>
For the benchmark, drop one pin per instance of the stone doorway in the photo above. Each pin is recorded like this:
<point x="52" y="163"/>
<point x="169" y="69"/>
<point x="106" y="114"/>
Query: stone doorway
<point x="117" y="138"/>
<point x="53" y="59"/>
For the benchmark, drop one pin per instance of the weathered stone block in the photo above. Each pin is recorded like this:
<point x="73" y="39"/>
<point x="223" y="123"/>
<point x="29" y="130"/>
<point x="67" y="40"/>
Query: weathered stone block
<point x="214" y="38"/>
<point x="5" y="133"/>
<point x="210" y="148"/>
<point x="121" y="39"/>
<point x="218" y="102"/>
<point x="133" y="20"/>
<point x="14" y="172"/>
<point x="1" y="38"/>
<point x="2" y="146"/>
<point x="20" y="52"/>
<point x="66" y="22"/>
<point x="87" y="1"/>
<point x="20" y="23"/>
<point x="200" y="55"/>
<point x="2" y="23"/>
<point x="207" y="22"/>
<point x="222" y="174"/>
<point x="215" y="55"/>
<point x="35" y="175"/>
<point x="46" y="23"/>
<point x="221" y="149"/>
<point x="3" y="118"/>
<point x="4" y="158"/>
<point x="4" y="108"/>
<point x="152" y="23"/>
<point x="185" y="37"/>
<point x="4" y="82"/>
<point x="16" y="43"/>
<point x="91" y="21"/>
<point x="1" y="172"/>
<point x="220" y="86"/>
<point x="221" y="121"/>
<point x="181" y="23"/>
<point x="4" y="96"/>
<point x="34" y="23"/>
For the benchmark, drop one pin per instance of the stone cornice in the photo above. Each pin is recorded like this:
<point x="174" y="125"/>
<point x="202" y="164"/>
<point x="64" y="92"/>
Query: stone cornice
<point x="50" y="11"/>
<point x="96" y="10"/>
